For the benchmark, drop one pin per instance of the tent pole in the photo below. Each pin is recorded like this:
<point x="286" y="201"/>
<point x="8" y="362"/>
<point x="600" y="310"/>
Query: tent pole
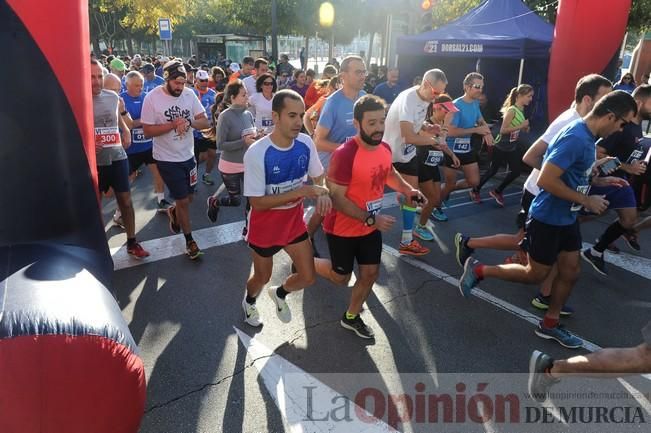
<point x="521" y="71"/>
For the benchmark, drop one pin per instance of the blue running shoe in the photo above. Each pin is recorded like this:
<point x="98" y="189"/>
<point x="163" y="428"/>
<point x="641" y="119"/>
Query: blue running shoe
<point x="438" y="215"/>
<point x="423" y="233"/>
<point x="542" y="303"/>
<point x="564" y="337"/>
<point x="469" y="279"/>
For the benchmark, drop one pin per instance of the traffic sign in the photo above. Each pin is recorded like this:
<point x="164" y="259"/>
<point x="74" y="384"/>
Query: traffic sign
<point x="165" y="29"/>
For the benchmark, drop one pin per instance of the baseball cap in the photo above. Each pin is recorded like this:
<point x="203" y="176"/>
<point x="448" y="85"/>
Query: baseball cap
<point x="147" y="68"/>
<point x="202" y="75"/>
<point x="188" y="67"/>
<point x="118" y="65"/>
<point x="234" y="67"/>
<point x="447" y="106"/>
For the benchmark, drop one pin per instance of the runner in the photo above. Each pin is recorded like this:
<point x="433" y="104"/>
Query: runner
<point x="625" y="146"/>
<point x="589" y="90"/>
<point x="260" y="102"/>
<point x="151" y="79"/>
<point x="235" y="131"/>
<point x="507" y="150"/>
<point x="168" y="114"/>
<point x="112" y="163"/>
<point x="140" y="151"/>
<point x="276" y="166"/>
<point x="403" y="124"/>
<point x="335" y="124"/>
<point x="553" y="231"/>
<point x="260" y="66"/>
<point x="466" y="123"/>
<point x="544" y="371"/>
<point x="359" y="170"/>
<point x="204" y="149"/>
<point x="430" y="159"/>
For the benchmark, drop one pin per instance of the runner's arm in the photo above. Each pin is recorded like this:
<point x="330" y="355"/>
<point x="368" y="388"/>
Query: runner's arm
<point x="321" y="140"/>
<point x="398" y="184"/>
<point x="411" y="137"/>
<point x="267" y="202"/>
<point x="200" y="121"/>
<point x="533" y="157"/>
<point x="307" y="122"/>
<point x="550" y="180"/>
<point x="343" y="204"/>
<point x="125" y="131"/>
<point x="157" y="130"/>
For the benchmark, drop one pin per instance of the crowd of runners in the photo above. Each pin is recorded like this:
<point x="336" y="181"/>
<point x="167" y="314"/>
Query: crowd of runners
<point x="277" y="142"/>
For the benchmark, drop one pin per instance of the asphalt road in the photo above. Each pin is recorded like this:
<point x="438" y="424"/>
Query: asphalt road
<point x="203" y="377"/>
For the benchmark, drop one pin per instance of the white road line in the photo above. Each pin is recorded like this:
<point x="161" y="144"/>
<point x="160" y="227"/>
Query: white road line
<point x="287" y="385"/>
<point x="635" y="264"/>
<point x="172" y="246"/>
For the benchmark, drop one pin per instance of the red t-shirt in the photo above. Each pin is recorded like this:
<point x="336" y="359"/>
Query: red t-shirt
<point x="313" y="94"/>
<point x="364" y="172"/>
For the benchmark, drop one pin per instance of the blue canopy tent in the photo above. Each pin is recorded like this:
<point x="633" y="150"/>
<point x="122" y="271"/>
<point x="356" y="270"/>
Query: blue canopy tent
<point x="503" y="39"/>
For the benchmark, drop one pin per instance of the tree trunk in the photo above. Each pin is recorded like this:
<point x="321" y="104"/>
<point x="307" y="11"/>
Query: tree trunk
<point x="130" y="46"/>
<point x="96" y="48"/>
<point x="153" y="46"/>
<point x="369" y="52"/>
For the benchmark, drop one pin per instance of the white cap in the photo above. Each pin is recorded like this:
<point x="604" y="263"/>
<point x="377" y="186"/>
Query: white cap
<point x="234" y="67"/>
<point x="202" y="75"/>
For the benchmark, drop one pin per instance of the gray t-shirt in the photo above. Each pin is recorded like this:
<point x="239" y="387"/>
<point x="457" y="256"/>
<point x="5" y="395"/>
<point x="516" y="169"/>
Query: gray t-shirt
<point x="230" y="125"/>
<point x="107" y="133"/>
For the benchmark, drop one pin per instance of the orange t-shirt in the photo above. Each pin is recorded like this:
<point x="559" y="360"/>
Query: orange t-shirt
<point x="234" y="76"/>
<point x="313" y="94"/>
<point x="364" y="172"/>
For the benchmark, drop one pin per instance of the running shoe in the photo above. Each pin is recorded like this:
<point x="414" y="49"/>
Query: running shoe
<point x="499" y="198"/>
<point x="163" y="205"/>
<point x="251" y="314"/>
<point x="424" y="233"/>
<point x="207" y="180"/>
<point x="558" y="333"/>
<point x="631" y="241"/>
<point x="463" y="251"/>
<point x="358" y="326"/>
<point x="539" y="378"/>
<point x="542" y="303"/>
<point x="174" y="226"/>
<point x="469" y="279"/>
<point x="438" y="215"/>
<point x="118" y="221"/>
<point x="137" y="251"/>
<point x="597" y="263"/>
<point x="213" y="208"/>
<point x="192" y="250"/>
<point x="282" y="309"/>
<point x="413" y="248"/>
<point x="475" y="196"/>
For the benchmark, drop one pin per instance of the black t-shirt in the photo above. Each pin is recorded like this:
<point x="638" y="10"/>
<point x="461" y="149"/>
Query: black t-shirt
<point x="625" y="145"/>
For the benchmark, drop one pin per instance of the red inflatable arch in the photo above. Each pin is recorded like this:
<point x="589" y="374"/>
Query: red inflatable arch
<point x="68" y="363"/>
<point x="587" y="35"/>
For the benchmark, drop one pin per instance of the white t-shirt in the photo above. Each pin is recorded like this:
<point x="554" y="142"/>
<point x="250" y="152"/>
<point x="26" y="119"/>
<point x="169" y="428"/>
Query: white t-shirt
<point x="407" y="107"/>
<point x="261" y="110"/>
<point x="559" y="123"/>
<point x="159" y="108"/>
<point x="249" y="85"/>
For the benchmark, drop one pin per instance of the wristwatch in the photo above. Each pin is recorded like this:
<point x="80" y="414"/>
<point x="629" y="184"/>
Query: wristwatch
<point x="124" y="113"/>
<point x="370" y="220"/>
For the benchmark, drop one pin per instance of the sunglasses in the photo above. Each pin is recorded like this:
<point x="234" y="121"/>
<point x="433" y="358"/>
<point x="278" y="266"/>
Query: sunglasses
<point x="267" y="83"/>
<point x="203" y="81"/>
<point x="477" y="86"/>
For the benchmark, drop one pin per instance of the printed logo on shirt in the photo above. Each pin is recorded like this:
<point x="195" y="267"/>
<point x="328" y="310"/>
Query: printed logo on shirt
<point x="175" y="112"/>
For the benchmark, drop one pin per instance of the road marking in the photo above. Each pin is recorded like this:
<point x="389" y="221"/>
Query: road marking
<point x="289" y="395"/>
<point x="635" y="264"/>
<point x="172" y="246"/>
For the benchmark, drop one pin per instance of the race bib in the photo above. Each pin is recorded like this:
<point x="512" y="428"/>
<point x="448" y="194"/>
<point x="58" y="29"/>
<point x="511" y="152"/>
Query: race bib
<point x="461" y="145"/>
<point x="266" y="123"/>
<point x="636" y="155"/>
<point x="108" y="137"/>
<point x="138" y="136"/>
<point x="582" y="189"/>
<point x="408" y="149"/>
<point x="434" y="158"/>
<point x="193" y="176"/>
<point x="373" y="207"/>
<point x="514" y="136"/>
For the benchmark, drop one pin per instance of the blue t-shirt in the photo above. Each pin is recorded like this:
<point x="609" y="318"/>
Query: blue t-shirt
<point x="337" y="116"/>
<point x="387" y="93"/>
<point x="148" y="86"/>
<point x="138" y="141"/>
<point x="572" y="149"/>
<point x="467" y="117"/>
<point x="207" y="100"/>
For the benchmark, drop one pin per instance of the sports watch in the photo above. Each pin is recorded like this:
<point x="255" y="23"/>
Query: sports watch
<point x="370" y="220"/>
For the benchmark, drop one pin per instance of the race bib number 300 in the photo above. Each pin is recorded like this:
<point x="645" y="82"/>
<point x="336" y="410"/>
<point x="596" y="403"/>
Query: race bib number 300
<point x="107" y="137"/>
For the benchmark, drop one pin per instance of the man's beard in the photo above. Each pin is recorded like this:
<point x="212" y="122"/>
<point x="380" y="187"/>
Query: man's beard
<point x="368" y="139"/>
<point x="173" y="92"/>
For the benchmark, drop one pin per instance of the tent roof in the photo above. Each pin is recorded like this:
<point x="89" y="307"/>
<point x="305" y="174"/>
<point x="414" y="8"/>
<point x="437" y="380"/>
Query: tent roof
<point x="495" y="28"/>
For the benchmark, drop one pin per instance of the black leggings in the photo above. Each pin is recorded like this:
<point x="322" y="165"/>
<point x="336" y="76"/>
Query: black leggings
<point x="499" y="158"/>
<point x="233" y="185"/>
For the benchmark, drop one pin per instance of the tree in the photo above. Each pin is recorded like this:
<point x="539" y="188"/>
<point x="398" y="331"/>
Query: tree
<point x="104" y="19"/>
